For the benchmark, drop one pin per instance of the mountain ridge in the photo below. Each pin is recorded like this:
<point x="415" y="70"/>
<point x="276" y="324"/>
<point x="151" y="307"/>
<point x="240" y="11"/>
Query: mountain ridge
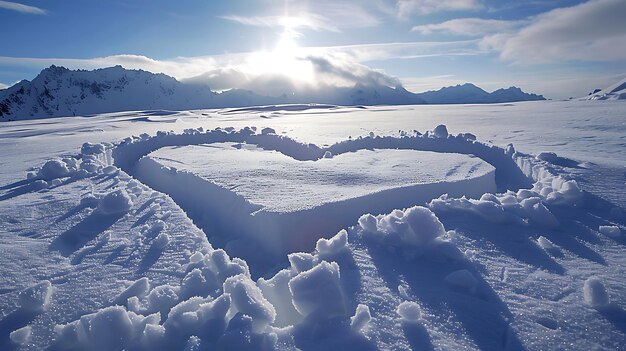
<point x="58" y="91"/>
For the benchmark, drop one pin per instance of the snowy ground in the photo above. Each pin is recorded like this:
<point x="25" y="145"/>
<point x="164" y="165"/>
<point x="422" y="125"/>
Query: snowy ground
<point x="147" y="223"/>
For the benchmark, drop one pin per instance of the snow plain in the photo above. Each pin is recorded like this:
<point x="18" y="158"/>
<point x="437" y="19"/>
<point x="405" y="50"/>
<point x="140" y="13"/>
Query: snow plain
<point x="95" y="257"/>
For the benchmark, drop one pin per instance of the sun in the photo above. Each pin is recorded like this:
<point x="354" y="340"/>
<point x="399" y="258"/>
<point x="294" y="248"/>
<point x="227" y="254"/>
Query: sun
<point x="286" y="58"/>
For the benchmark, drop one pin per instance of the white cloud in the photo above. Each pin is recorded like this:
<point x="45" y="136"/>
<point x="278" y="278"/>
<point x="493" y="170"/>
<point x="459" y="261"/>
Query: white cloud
<point x="304" y="20"/>
<point x="15" y="6"/>
<point x="592" y="31"/>
<point x="3" y="86"/>
<point x="272" y="72"/>
<point x="468" y="27"/>
<point x="406" y="8"/>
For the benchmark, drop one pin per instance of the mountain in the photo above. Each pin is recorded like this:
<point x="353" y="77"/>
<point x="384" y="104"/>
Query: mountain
<point x="470" y="94"/>
<point x="616" y="91"/>
<point x="58" y="91"/>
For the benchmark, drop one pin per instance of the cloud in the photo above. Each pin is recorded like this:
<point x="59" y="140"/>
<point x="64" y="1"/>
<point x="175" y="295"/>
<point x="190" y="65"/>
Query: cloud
<point x="474" y="27"/>
<point x="592" y="31"/>
<point x="305" y="20"/>
<point x="3" y="86"/>
<point x="14" y="6"/>
<point x="406" y="8"/>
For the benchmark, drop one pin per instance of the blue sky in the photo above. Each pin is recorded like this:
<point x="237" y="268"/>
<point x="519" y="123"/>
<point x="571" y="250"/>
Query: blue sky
<point x="552" y="47"/>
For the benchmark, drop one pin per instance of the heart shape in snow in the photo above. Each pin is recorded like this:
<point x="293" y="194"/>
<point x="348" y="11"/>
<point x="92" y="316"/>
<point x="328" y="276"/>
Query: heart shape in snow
<point x="239" y="192"/>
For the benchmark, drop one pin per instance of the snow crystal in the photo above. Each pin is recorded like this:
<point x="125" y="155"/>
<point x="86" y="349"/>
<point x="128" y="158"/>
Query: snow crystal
<point x="595" y="293"/>
<point x="361" y="318"/>
<point x="318" y="291"/>
<point x="21" y="336"/>
<point x="115" y="202"/>
<point x="36" y="298"/>
<point x="409" y="311"/>
<point x="612" y="231"/>
<point x="248" y="299"/>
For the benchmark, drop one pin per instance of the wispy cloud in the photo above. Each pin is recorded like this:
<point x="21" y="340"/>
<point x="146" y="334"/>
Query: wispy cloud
<point x="15" y="6"/>
<point x="592" y="31"/>
<point x="3" y="86"/>
<point x="306" y="20"/>
<point x="475" y="27"/>
<point x="406" y="8"/>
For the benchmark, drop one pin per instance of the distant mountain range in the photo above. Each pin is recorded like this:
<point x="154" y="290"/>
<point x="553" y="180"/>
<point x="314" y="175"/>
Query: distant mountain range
<point x="616" y="91"/>
<point x="58" y="91"/>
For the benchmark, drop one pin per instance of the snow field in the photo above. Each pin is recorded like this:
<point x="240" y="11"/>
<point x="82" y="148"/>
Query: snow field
<point x="214" y="302"/>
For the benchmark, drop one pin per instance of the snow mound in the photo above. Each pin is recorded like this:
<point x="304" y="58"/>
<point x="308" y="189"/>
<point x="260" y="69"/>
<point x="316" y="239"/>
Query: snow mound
<point x="21" y="336"/>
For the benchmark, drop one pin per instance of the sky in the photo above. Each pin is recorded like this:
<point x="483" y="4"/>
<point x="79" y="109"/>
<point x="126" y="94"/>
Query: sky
<point x="557" y="48"/>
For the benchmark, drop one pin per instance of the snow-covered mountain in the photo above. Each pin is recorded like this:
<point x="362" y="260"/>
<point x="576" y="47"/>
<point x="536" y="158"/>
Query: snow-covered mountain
<point x="58" y="91"/>
<point x="616" y="91"/>
<point x="469" y="93"/>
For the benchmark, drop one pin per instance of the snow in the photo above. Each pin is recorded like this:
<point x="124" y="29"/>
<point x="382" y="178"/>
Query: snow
<point x="409" y="311"/>
<point x="610" y="230"/>
<point x="115" y="202"/>
<point x="317" y="291"/>
<point x="527" y="260"/>
<point x="595" y="293"/>
<point x="36" y="298"/>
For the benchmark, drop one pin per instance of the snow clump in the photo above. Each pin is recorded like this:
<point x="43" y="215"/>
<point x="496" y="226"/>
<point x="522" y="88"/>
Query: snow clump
<point x="611" y="231"/>
<point x="36" y="298"/>
<point x="409" y="311"/>
<point x="115" y="202"/>
<point x="595" y="293"/>
<point x="417" y="226"/>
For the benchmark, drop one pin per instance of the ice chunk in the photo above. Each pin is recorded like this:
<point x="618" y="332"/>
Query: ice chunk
<point x="115" y="202"/>
<point x="328" y="154"/>
<point x="361" y="318"/>
<point x="248" y="299"/>
<point x="36" y="298"/>
<point x="409" y="311"/>
<point x="318" y="291"/>
<point x="595" y="293"/>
